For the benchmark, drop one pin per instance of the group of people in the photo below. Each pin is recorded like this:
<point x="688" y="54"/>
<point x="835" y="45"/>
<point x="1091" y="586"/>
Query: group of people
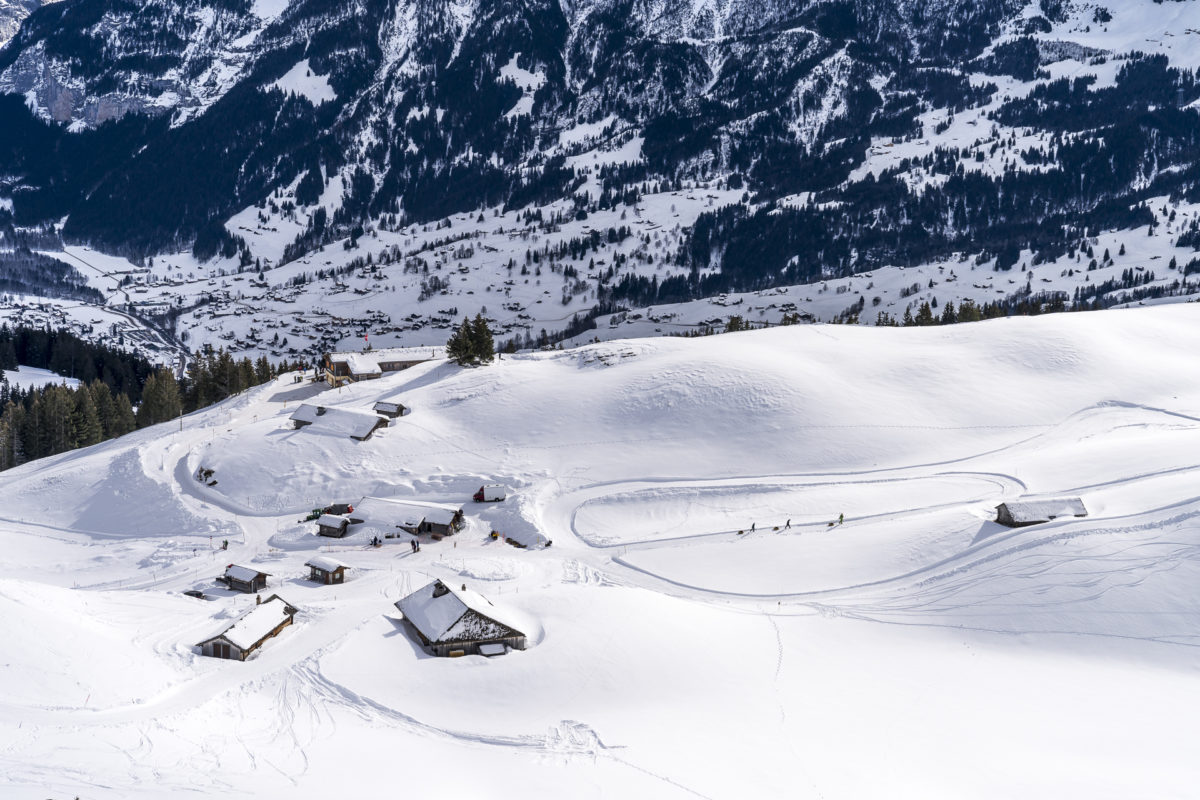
<point x="788" y="524"/>
<point x="415" y="545"/>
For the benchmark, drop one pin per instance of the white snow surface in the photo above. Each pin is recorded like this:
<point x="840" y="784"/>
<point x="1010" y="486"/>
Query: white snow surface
<point x="35" y="377"/>
<point x="301" y="81"/>
<point x="687" y="641"/>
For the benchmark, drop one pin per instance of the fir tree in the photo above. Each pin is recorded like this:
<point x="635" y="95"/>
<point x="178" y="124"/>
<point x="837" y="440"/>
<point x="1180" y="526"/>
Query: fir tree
<point x="483" y="346"/>
<point x="458" y="348"/>
<point x="123" y="418"/>
<point x="88" y="430"/>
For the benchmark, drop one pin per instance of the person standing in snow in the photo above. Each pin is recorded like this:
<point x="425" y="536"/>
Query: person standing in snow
<point x="789" y="524"/>
<point x="841" y="518"/>
<point x="752" y="524"/>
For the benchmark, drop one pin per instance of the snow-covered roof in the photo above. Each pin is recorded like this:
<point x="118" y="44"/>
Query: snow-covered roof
<point x="409" y="513"/>
<point x="245" y="574"/>
<point x="458" y="615"/>
<point x="387" y="405"/>
<point x="1042" y="510"/>
<point x="333" y="521"/>
<point x="256" y="623"/>
<point x="326" y="563"/>
<point x="343" y="421"/>
<point x="391" y="354"/>
<point x="362" y="365"/>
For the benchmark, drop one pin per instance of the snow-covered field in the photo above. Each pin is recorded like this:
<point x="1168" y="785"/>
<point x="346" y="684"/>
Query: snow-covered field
<point x="34" y="377"/>
<point x="688" y="642"/>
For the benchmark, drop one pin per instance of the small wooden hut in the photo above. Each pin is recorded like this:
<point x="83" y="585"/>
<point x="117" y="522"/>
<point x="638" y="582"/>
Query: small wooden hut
<point x="1019" y="513"/>
<point x="326" y="570"/>
<point x="389" y="409"/>
<point x="332" y="525"/>
<point x="251" y="630"/>
<point x="244" y="579"/>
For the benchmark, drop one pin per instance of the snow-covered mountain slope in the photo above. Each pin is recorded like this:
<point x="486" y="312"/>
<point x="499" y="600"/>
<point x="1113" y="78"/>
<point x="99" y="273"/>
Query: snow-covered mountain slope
<point x="702" y="629"/>
<point x="13" y="13"/>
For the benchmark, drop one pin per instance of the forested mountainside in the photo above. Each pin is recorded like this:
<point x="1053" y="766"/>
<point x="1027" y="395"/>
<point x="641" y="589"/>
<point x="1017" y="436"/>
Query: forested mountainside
<point x="836" y="127"/>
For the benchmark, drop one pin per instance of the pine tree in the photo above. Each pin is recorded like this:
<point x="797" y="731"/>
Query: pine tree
<point x="88" y="430"/>
<point x="123" y="419"/>
<point x="458" y="347"/>
<point x="106" y="409"/>
<point x="483" y="346"/>
<point x="262" y="370"/>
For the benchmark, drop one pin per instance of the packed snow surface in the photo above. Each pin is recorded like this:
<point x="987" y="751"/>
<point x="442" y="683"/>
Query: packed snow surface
<point x="774" y="572"/>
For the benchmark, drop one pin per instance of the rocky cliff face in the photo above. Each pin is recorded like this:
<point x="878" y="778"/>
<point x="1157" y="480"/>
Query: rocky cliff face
<point x="375" y="111"/>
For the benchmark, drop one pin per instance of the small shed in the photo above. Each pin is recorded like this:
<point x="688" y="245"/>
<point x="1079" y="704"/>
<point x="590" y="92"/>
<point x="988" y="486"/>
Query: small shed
<point x="332" y="525"/>
<point x="244" y="579"/>
<point x="326" y="570"/>
<point x="442" y="520"/>
<point x="457" y="622"/>
<point x="1020" y="513"/>
<point x="389" y="409"/>
<point x="251" y="630"/>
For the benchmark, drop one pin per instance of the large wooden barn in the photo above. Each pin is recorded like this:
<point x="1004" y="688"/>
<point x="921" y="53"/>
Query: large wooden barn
<point x="411" y="516"/>
<point x="251" y="630"/>
<point x="357" y="425"/>
<point x="458" y="622"/>
<point x="353" y="366"/>
<point x="1019" y="513"/>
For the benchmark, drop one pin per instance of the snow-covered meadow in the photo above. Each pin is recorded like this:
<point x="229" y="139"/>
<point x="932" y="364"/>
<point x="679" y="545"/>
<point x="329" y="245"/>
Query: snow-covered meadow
<point x="688" y="642"/>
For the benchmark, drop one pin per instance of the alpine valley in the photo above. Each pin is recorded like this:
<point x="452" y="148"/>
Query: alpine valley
<point x="280" y="177"/>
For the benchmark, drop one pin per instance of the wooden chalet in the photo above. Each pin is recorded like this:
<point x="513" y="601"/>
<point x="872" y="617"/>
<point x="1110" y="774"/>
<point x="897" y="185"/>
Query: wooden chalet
<point x="244" y="579"/>
<point x="332" y="525"/>
<point x="326" y="570"/>
<point x="251" y="630"/>
<point x="353" y="366"/>
<point x="1019" y="513"/>
<point x="389" y="409"/>
<point x="458" y="622"/>
<point x="358" y="425"/>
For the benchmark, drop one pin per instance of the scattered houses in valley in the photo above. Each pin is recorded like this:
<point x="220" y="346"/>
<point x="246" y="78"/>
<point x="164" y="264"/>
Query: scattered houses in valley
<point x="1018" y="513"/>
<point x="244" y="579"/>
<point x="251" y="630"/>
<point x="358" y="425"/>
<point x="351" y="367"/>
<point x="326" y="570"/>
<point x="456" y="622"/>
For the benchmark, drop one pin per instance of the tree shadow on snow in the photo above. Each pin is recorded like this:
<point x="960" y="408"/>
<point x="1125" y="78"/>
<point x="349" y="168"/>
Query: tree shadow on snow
<point x="300" y="392"/>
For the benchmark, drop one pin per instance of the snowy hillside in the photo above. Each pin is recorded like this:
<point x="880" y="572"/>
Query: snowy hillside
<point x="700" y="628"/>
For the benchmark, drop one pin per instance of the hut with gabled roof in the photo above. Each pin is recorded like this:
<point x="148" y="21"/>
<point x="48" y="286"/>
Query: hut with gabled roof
<point x="457" y="622"/>
<point x="251" y="630"/>
<point x="1019" y="513"/>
